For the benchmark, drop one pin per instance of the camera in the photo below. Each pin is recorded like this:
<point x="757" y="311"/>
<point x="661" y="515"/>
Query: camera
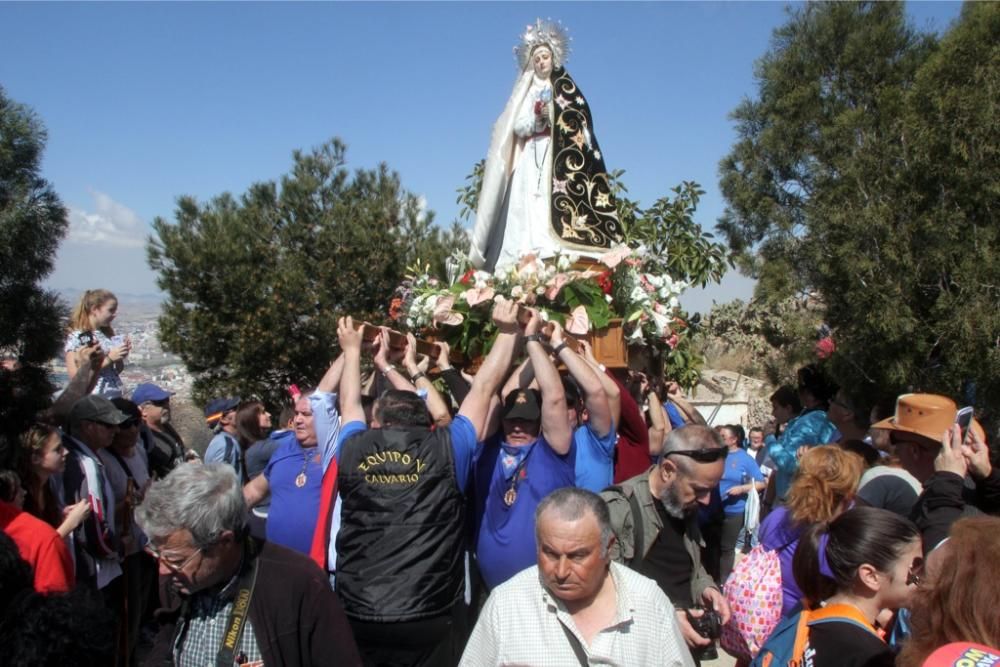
<point x="709" y="626"/>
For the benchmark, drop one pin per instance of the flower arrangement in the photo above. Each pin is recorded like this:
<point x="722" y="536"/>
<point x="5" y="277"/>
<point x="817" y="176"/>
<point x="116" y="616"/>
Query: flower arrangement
<point x="626" y="283"/>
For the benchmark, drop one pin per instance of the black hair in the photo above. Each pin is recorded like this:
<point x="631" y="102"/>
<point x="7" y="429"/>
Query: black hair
<point x="573" y="393"/>
<point x="402" y="409"/>
<point x="15" y="574"/>
<point x="787" y="396"/>
<point x="862" y="535"/>
<point x="739" y="432"/>
<point x="813" y="380"/>
<point x="756" y="429"/>
<point x="286" y="415"/>
<point x="9" y="481"/>
<point x="862" y="449"/>
<point x="70" y="629"/>
<point x="128" y="407"/>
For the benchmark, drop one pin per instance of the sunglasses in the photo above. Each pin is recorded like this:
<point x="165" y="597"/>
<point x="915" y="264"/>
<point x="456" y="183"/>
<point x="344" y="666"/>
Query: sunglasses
<point x="129" y="423"/>
<point x="702" y="455"/>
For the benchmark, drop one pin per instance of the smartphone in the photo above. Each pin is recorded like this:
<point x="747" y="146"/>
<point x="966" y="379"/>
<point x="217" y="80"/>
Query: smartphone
<point x="964" y="420"/>
<point x="86" y="338"/>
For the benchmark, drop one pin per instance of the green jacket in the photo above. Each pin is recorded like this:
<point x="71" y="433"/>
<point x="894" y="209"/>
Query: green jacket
<point x="626" y="551"/>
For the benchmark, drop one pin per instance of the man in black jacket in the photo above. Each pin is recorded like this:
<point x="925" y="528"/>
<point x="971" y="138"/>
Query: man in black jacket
<point x="241" y="601"/>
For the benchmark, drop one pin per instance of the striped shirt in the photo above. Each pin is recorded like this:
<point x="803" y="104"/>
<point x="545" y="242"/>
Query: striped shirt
<point x="521" y="625"/>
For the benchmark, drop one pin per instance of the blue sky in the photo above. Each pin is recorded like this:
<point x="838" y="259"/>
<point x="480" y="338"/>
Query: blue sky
<point x="145" y="102"/>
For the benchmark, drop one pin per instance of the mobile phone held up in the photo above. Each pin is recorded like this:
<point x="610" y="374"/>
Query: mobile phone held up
<point x="964" y="420"/>
<point x="86" y="338"/>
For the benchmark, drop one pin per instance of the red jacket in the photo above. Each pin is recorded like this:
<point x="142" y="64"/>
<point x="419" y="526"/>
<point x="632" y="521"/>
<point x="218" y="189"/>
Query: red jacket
<point x="41" y="546"/>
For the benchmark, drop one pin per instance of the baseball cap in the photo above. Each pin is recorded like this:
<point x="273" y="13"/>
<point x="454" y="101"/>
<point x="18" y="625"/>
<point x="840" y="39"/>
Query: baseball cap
<point x="96" y="409"/>
<point x="147" y="391"/>
<point x="523" y="404"/>
<point x="959" y="654"/>
<point x="218" y="407"/>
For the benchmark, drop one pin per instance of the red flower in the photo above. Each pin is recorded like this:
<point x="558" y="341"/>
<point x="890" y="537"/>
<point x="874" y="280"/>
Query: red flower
<point x="395" y="308"/>
<point x="825" y="348"/>
<point x="604" y="282"/>
<point x="467" y="277"/>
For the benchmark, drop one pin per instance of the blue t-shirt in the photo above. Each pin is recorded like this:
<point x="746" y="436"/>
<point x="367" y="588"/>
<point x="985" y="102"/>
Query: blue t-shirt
<point x="674" y="415"/>
<point x="505" y="536"/>
<point x="738" y="464"/>
<point x="595" y="458"/>
<point x="292" y="517"/>
<point x="224" y="448"/>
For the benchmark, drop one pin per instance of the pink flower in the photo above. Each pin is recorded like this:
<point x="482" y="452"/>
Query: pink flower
<point x="478" y="295"/>
<point x="614" y="257"/>
<point x="555" y="286"/>
<point x="578" y="322"/>
<point x="672" y="341"/>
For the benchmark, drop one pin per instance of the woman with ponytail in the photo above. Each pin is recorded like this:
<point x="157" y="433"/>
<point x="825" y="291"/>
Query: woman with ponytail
<point x="824" y="487"/>
<point x="866" y="560"/>
<point x="90" y="322"/>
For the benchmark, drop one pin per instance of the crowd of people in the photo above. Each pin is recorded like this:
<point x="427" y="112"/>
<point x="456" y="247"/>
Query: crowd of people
<point x="542" y="511"/>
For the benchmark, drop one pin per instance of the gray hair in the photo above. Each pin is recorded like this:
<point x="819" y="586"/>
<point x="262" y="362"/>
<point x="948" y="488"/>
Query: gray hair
<point x="692" y="437"/>
<point x="204" y="498"/>
<point x="570" y="503"/>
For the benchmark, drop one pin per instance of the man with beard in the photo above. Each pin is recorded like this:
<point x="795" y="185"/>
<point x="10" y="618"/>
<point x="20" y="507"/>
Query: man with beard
<point x="654" y="518"/>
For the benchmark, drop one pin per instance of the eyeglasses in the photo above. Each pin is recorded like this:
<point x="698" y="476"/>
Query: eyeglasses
<point x="171" y="565"/>
<point x="702" y="455"/>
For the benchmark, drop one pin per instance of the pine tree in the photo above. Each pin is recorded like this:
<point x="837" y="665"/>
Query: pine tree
<point x="32" y="222"/>
<point x="255" y="284"/>
<point x="865" y="175"/>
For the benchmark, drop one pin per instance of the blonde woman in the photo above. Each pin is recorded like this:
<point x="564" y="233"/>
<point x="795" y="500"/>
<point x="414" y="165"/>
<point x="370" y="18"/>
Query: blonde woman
<point x="90" y="322"/>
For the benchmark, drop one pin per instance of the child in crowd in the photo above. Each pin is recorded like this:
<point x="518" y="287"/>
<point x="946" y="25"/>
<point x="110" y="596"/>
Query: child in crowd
<point x="91" y="320"/>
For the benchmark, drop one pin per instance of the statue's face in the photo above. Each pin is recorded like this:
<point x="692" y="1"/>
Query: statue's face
<point x="541" y="60"/>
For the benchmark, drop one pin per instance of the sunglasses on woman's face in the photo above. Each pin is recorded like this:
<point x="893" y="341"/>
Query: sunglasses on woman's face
<point x="702" y="455"/>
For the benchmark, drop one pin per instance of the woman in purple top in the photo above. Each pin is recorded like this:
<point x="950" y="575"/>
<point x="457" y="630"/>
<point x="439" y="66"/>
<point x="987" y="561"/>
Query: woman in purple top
<point x="824" y="487"/>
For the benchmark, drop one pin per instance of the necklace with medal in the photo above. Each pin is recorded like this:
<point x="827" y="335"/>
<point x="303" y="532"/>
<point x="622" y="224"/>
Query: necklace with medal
<point x="511" y="495"/>
<point x="300" y="479"/>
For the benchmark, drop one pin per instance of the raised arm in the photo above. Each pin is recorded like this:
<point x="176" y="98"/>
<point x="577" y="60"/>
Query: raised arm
<point x="590" y="385"/>
<point x="692" y="414"/>
<point x="659" y="425"/>
<point x="436" y="404"/>
<point x="555" y="424"/>
<point x="612" y="389"/>
<point x="350" y="381"/>
<point x="384" y="365"/>
<point x="331" y="379"/>
<point x="457" y="385"/>
<point x="476" y="405"/>
<point x="88" y="362"/>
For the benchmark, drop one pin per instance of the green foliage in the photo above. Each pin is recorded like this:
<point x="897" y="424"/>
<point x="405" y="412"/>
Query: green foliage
<point x="866" y="176"/>
<point x="32" y="222"/>
<point x="255" y="284"/>
<point x="766" y="339"/>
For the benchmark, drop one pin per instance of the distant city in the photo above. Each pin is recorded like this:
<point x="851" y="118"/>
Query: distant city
<point x="148" y="362"/>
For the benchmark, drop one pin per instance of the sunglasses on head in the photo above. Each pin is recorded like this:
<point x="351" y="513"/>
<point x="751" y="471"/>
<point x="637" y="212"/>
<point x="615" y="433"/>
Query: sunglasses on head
<point x="702" y="455"/>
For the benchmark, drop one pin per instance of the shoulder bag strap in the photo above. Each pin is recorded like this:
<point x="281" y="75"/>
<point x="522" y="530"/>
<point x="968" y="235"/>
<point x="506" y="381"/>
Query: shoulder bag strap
<point x="121" y="462"/>
<point x="226" y="656"/>
<point x="637" y="530"/>
<point x="575" y="644"/>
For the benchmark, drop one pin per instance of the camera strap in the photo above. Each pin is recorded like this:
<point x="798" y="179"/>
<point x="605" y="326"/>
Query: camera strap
<point x="575" y="644"/>
<point x="226" y="656"/>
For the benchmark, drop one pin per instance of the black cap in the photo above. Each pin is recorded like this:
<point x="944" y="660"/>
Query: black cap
<point x="96" y="409"/>
<point x="523" y="404"/>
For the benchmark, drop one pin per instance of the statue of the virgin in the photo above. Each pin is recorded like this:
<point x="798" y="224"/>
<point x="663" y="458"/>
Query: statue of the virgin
<point x="545" y="189"/>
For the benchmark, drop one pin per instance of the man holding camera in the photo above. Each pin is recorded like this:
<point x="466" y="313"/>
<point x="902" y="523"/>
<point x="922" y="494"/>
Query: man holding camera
<point x="654" y="517"/>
